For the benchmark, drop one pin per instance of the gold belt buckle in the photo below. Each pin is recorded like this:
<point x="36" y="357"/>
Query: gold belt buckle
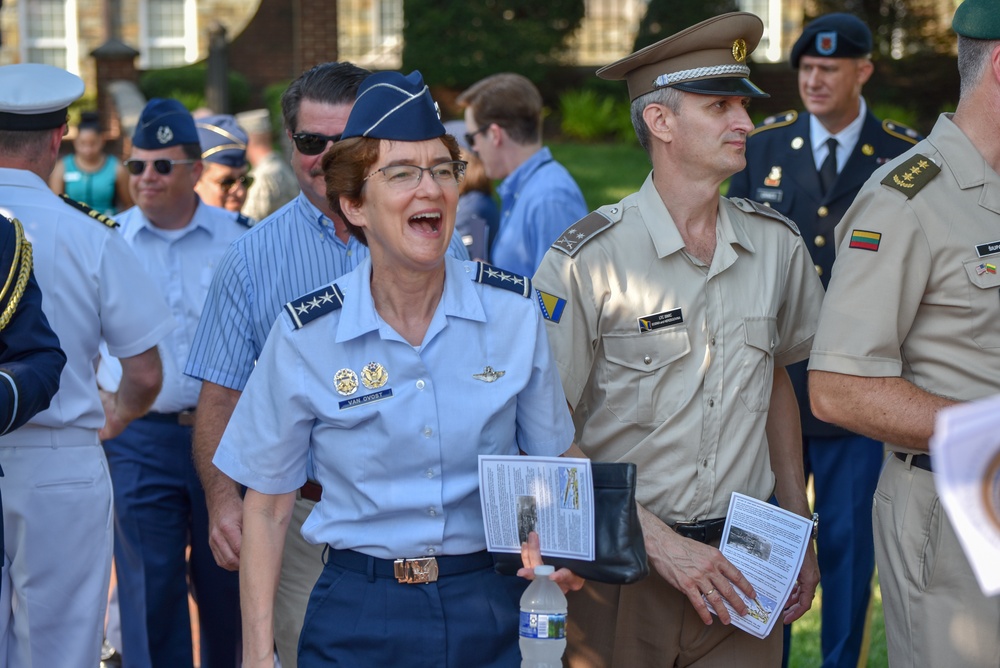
<point x="416" y="571"/>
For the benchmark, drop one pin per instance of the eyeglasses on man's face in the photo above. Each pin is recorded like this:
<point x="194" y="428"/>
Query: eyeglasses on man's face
<point x="162" y="166"/>
<point x="310" y="143"/>
<point x="229" y="182"/>
<point x="470" y="137"/>
<point x="408" y="177"/>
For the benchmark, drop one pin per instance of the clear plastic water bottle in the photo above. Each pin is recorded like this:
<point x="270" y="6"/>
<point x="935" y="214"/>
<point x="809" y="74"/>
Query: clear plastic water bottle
<point x="543" y="622"/>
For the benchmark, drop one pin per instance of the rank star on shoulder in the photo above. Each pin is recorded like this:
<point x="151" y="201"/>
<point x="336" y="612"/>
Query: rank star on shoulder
<point x="302" y="308"/>
<point x="315" y="303"/>
<point x="493" y="273"/>
<point x="326" y="297"/>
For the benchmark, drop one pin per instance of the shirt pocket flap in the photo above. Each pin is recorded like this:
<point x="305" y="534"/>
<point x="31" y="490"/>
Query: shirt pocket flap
<point x="760" y="333"/>
<point x="647" y="351"/>
<point x="983" y="274"/>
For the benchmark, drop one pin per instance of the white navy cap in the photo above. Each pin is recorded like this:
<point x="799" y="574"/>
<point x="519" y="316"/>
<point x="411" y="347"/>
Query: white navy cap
<point x="35" y="96"/>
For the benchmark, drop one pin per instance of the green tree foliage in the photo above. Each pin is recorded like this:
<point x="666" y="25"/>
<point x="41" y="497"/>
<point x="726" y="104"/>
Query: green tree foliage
<point x="665" y="17"/>
<point x="900" y="28"/>
<point x="455" y="44"/>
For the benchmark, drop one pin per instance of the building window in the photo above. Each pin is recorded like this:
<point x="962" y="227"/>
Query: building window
<point x="49" y="33"/>
<point x="169" y="33"/>
<point x="607" y="31"/>
<point x="370" y="32"/>
<point x="770" y="47"/>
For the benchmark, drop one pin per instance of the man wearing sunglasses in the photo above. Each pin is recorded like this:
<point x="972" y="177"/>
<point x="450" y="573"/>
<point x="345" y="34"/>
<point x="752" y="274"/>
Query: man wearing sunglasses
<point x="57" y="494"/>
<point x="159" y="503"/>
<point x="224" y="181"/>
<point x="298" y="248"/>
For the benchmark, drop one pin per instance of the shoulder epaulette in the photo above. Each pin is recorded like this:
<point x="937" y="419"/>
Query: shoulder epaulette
<point x="750" y="206"/>
<point x="587" y="228"/>
<point x="776" y="121"/>
<point x="243" y="220"/>
<point x="93" y="213"/>
<point x="900" y="131"/>
<point x="498" y="278"/>
<point x="310" y="306"/>
<point x="911" y="176"/>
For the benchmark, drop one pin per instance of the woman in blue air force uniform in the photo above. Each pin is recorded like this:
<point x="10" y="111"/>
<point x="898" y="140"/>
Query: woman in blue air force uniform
<point x="391" y="381"/>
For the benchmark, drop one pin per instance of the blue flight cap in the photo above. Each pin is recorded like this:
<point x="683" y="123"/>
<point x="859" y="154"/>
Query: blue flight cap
<point x="391" y="106"/>
<point x="222" y="140"/>
<point x="835" y="35"/>
<point x="164" y="123"/>
<point x="35" y="96"/>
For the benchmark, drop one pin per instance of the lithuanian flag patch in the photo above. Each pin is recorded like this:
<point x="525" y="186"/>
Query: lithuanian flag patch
<point x="865" y="240"/>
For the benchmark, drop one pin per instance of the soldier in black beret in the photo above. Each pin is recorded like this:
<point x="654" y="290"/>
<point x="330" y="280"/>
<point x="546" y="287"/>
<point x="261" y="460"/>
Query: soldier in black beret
<point x="909" y="326"/>
<point x="810" y="166"/>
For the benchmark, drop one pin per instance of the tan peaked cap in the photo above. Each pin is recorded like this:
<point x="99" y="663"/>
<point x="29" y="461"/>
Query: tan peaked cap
<point x="714" y="51"/>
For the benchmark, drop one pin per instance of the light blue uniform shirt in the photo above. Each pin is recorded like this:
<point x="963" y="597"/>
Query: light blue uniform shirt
<point x="286" y="255"/>
<point x="538" y="201"/>
<point x="181" y="264"/>
<point x="398" y="463"/>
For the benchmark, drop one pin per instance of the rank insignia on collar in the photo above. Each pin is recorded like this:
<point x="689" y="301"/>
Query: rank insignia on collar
<point x="489" y="375"/>
<point x="374" y="376"/>
<point x="865" y="240"/>
<point x="911" y="176"/>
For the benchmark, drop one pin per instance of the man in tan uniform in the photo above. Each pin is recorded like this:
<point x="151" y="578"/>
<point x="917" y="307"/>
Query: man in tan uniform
<point x="911" y="324"/>
<point x="672" y="315"/>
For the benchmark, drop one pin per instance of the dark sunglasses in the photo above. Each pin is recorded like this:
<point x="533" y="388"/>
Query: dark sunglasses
<point x="162" y="166"/>
<point x="470" y="137"/>
<point x="227" y="184"/>
<point x="309" y="143"/>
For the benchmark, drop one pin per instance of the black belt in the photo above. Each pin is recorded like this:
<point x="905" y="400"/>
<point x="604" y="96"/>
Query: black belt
<point x="705" y="531"/>
<point x="183" y="418"/>
<point x="390" y="568"/>
<point x="920" y="461"/>
<point x="311" y="491"/>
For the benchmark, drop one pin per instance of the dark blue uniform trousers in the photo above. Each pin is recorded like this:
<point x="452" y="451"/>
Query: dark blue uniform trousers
<point x="361" y="616"/>
<point x="845" y="471"/>
<point x="160" y="508"/>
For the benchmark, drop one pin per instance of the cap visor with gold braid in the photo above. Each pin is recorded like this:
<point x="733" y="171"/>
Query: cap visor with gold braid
<point x="709" y="58"/>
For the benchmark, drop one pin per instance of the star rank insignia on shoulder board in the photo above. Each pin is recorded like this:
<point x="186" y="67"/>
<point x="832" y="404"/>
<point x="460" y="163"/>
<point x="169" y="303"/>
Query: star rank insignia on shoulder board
<point x="308" y="307"/>
<point x="911" y="176"/>
<point x="93" y="213"/>
<point x="498" y="278"/>
<point x="584" y="230"/>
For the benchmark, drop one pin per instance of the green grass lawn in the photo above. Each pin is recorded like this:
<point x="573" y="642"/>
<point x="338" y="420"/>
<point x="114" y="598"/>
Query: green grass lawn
<point x="606" y="173"/>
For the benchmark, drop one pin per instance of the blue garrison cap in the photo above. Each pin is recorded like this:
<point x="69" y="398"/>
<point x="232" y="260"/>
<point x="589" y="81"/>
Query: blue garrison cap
<point x="978" y="19"/>
<point x="392" y="106"/>
<point x="35" y="96"/>
<point x="164" y="123"/>
<point x="833" y="36"/>
<point x="222" y="140"/>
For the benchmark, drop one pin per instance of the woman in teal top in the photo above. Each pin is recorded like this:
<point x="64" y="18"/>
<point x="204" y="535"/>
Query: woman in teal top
<point x="89" y="175"/>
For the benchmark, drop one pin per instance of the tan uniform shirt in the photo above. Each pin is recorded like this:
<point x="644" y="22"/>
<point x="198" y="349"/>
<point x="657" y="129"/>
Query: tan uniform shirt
<point x="924" y="306"/>
<point x="668" y="363"/>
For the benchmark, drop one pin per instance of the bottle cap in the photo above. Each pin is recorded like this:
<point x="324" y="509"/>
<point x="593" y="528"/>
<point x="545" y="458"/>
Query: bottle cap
<point x="544" y="571"/>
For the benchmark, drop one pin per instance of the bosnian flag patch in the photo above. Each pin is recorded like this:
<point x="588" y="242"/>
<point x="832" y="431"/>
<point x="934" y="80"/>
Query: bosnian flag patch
<point x="865" y="240"/>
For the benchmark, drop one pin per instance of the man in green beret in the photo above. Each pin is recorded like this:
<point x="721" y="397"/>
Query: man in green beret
<point x="910" y="325"/>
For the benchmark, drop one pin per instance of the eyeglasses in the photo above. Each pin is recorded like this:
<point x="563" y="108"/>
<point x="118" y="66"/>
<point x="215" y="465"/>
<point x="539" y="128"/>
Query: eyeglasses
<point x="309" y="143"/>
<point x="470" y="137"/>
<point x="407" y="177"/>
<point x="162" y="166"/>
<point x="227" y="184"/>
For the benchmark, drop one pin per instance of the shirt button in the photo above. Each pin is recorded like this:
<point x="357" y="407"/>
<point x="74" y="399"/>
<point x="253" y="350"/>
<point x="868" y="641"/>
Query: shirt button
<point x="711" y="402"/>
<point x="712" y="341"/>
<point x="432" y="512"/>
<point x="647" y="359"/>
<point x="820" y="241"/>
<point x="428" y="431"/>
<point x="704" y="463"/>
<point x="823" y="212"/>
<point x="819" y="270"/>
<point x="420" y="384"/>
<point x="430" y="473"/>
<point x="431" y="550"/>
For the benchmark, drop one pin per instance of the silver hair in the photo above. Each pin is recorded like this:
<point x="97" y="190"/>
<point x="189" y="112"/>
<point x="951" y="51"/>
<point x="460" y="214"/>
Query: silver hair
<point x="669" y="97"/>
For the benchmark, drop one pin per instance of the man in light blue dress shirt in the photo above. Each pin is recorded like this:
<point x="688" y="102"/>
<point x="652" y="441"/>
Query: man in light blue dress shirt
<point x="299" y="247"/>
<point x="538" y="197"/>
<point x="159" y="503"/>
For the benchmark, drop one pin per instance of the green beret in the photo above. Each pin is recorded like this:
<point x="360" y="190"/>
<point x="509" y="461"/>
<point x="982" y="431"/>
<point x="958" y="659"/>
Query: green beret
<point x="978" y="19"/>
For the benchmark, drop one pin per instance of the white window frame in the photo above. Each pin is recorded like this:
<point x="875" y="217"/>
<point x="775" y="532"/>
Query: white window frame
<point x="772" y="39"/>
<point x="71" y="43"/>
<point x="189" y="40"/>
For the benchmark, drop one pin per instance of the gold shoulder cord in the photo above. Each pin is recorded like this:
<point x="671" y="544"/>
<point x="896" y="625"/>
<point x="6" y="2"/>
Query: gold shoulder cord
<point x="21" y="268"/>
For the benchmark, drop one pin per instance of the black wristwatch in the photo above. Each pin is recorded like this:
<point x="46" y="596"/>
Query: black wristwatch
<point x="815" y="525"/>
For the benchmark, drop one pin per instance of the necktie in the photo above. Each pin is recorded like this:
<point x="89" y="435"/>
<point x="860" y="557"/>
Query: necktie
<point x="828" y="170"/>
